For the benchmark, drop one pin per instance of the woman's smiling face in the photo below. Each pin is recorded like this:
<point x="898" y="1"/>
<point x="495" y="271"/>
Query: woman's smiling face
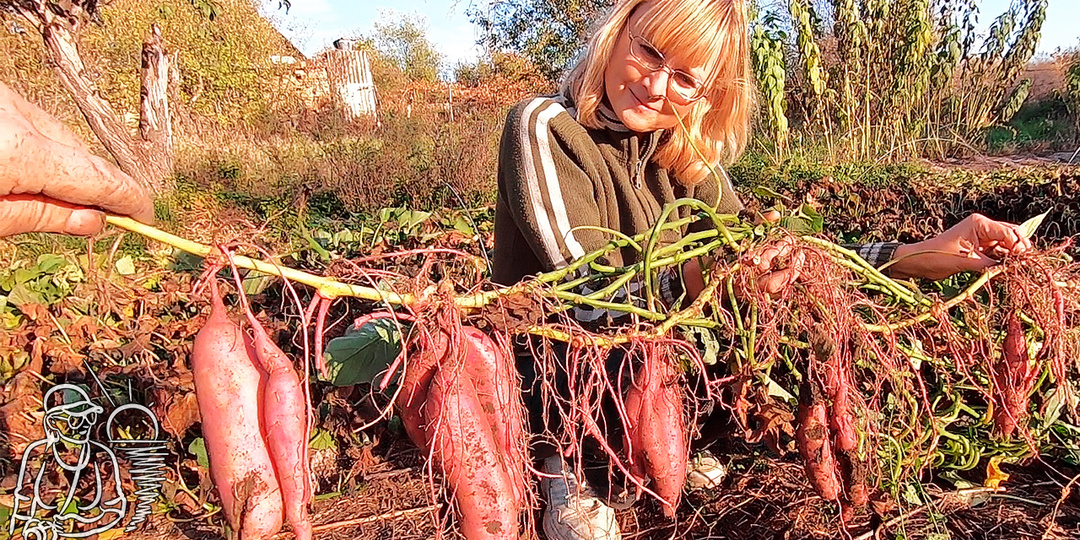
<point x="642" y="97"/>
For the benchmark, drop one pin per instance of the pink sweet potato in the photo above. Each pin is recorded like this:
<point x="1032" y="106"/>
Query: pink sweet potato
<point x="1013" y="379"/>
<point x="463" y="446"/>
<point x="423" y="357"/>
<point x="657" y="430"/>
<point x="229" y="388"/>
<point x="284" y="413"/>
<point x="493" y="374"/>
<point x="812" y="439"/>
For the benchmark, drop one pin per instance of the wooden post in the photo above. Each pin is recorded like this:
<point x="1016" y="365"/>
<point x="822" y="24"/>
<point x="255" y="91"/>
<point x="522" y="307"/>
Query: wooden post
<point x="155" y="121"/>
<point x="450" y="101"/>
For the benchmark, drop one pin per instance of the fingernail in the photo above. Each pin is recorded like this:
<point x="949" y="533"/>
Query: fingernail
<point x="84" y="222"/>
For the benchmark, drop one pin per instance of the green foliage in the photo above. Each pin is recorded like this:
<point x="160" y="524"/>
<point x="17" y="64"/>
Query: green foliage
<point x="221" y="50"/>
<point x="1038" y="124"/>
<point x="47" y="280"/>
<point x="904" y="81"/>
<point x="1071" y="92"/>
<point x="802" y="15"/>
<point x="767" y="54"/>
<point x="223" y="54"/>
<point x="499" y="68"/>
<point x="550" y="33"/>
<point x="403" y="41"/>
<point x="1015" y="100"/>
<point x="364" y="353"/>
<point x="197" y="448"/>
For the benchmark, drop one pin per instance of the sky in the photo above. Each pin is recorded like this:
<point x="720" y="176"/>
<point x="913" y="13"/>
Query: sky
<point x="313" y="25"/>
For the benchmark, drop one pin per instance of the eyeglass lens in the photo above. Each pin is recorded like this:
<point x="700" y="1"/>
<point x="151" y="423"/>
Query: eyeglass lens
<point x="681" y="82"/>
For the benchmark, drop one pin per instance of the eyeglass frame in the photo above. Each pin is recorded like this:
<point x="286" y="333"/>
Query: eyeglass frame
<point x="664" y="67"/>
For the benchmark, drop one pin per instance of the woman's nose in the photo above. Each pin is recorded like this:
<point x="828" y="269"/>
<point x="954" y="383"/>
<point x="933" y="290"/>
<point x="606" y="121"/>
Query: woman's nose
<point x="657" y="83"/>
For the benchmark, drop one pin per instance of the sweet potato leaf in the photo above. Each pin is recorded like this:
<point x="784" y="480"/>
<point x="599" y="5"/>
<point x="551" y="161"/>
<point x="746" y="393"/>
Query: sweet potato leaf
<point x="363" y="353"/>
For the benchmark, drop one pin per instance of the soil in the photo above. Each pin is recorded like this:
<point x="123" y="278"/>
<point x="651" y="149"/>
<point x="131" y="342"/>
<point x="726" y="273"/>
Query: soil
<point x="983" y="163"/>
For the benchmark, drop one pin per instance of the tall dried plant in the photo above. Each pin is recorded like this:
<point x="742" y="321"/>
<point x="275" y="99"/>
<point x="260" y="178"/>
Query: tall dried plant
<point x="767" y="55"/>
<point x="908" y="77"/>
<point x="814" y="75"/>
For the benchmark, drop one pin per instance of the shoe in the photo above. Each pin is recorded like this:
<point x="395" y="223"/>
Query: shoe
<point x="704" y="472"/>
<point x="572" y="512"/>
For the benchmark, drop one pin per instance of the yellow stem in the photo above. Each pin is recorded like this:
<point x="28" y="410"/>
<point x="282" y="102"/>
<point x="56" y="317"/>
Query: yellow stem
<point x="326" y="287"/>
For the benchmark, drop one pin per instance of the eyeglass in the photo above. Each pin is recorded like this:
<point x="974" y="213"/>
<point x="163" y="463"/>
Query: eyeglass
<point x="685" y="85"/>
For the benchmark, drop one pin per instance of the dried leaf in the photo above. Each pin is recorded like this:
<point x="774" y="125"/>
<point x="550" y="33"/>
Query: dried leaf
<point x="994" y="475"/>
<point x="180" y="414"/>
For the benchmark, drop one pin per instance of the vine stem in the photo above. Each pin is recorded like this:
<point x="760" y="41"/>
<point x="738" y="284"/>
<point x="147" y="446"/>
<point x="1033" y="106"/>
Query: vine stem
<point x="332" y="289"/>
<point x="951" y="303"/>
<point x="329" y="288"/>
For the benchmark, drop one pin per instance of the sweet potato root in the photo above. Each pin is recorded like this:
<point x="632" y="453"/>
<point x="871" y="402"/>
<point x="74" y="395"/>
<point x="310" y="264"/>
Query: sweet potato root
<point x="284" y="412"/>
<point x="499" y="392"/>
<point x="657" y="430"/>
<point x="422" y="358"/>
<point x="1013" y="379"/>
<point x="229" y="388"/>
<point x="463" y="446"/>
<point x="812" y="440"/>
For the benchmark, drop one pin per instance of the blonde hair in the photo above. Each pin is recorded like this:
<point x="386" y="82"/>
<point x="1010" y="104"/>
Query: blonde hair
<point x="710" y="33"/>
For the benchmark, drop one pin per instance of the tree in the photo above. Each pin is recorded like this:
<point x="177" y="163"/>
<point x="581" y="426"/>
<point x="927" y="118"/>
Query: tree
<point x="515" y="26"/>
<point x="403" y="41"/>
<point x="508" y="67"/>
<point x="148" y="156"/>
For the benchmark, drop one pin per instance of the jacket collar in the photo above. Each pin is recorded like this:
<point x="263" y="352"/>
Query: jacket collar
<point x="637" y="147"/>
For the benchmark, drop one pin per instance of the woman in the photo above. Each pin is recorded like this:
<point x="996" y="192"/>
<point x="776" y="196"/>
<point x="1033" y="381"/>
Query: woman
<point x="609" y="152"/>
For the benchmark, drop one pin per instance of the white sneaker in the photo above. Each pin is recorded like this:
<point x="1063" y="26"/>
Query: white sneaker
<point x="705" y="472"/>
<point x="572" y="512"/>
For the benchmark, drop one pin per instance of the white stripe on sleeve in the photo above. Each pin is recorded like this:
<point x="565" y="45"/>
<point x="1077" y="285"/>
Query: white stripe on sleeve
<point x="551" y="178"/>
<point x="532" y="184"/>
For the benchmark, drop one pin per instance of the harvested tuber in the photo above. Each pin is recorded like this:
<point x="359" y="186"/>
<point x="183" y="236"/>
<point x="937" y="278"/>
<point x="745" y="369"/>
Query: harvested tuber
<point x="284" y="413"/>
<point x="464" y="447"/>
<point x="812" y="440"/>
<point x="657" y="429"/>
<point x="229" y="387"/>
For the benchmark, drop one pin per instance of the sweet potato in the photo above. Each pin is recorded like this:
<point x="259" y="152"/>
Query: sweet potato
<point x="812" y="440"/>
<point x="851" y="468"/>
<point x="657" y="430"/>
<point x="1013" y="379"/>
<point x="229" y="388"/>
<point x="422" y="359"/>
<point x="498" y="391"/>
<point x="284" y="412"/>
<point x="463" y="446"/>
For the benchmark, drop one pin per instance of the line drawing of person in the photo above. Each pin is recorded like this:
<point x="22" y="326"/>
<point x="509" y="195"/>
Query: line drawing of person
<point x="68" y="426"/>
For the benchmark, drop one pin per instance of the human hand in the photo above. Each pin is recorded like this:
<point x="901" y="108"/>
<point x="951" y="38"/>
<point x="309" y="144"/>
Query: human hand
<point x="778" y="266"/>
<point x="974" y="244"/>
<point x="49" y="180"/>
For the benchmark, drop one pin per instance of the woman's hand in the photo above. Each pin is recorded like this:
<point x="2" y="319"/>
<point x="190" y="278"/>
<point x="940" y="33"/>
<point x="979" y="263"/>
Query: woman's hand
<point x="974" y="244"/>
<point x="778" y="265"/>
<point x="49" y="180"/>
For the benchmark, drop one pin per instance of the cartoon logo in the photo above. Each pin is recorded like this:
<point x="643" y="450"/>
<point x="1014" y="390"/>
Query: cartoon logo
<point x="70" y="486"/>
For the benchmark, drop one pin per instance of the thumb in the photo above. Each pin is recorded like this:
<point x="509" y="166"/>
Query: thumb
<point x="35" y="213"/>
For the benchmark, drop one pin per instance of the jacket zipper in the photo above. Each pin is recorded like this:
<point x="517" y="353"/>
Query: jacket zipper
<point x="643" y="158"/>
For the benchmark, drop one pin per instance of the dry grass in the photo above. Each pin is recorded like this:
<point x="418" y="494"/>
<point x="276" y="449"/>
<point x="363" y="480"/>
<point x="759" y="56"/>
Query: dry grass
<point x="763" y="499"/>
